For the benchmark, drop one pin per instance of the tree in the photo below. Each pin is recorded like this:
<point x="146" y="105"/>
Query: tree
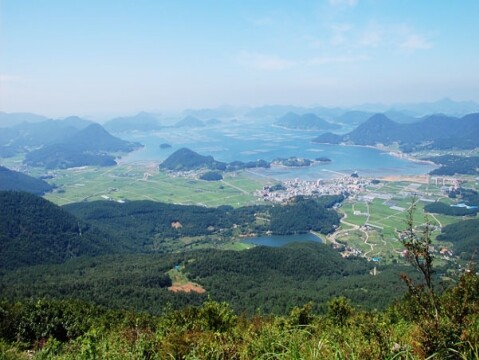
<point x="418" y="253"/>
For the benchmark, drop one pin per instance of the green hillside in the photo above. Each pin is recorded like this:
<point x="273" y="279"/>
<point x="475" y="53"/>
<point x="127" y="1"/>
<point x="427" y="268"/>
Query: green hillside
<point x="185" y="159"/>
<point x="17" y="181"/>
<point x="35" y="231"/>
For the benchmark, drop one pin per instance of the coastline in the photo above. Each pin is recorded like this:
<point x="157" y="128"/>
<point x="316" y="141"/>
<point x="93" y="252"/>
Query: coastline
<point x="396" y="153"/>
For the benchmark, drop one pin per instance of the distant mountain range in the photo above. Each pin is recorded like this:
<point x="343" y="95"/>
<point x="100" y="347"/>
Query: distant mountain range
<point x="41" y="133"/>
<point x="432" y="132"/>
<point x="356" y="117"/>
<point x="90" y="146"/>
<point x="142" y="122"/>
<point x="12" y="119"/>
<point x="190" y="121"/>
<point x="305" y="122"/>
<point x="17" y="181"/>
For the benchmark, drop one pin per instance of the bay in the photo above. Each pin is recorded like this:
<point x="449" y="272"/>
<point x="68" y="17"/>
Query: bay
<point x="250" y="142"/>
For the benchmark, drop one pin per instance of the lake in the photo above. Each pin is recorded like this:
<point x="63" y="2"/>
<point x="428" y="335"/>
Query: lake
<point x="250" y="142"/>
<point x="281" y="240"/>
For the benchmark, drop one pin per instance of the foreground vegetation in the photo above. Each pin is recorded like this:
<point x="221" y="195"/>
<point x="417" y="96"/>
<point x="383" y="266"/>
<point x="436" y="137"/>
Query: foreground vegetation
<point x="406" y="330"/>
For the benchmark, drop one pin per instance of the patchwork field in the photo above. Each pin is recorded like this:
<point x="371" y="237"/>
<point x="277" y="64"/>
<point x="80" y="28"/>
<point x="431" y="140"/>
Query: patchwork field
<point x="143" y="181"/>
<point x="371" y="220"/>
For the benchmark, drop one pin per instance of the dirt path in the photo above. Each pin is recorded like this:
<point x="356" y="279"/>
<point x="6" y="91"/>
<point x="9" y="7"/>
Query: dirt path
<point x="334" y="236"/>
<point x="234" y="187"/>
<point x="435" y="218"/>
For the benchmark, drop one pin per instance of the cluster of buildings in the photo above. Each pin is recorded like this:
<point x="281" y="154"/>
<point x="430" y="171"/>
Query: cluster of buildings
<point x="297" y="187"/>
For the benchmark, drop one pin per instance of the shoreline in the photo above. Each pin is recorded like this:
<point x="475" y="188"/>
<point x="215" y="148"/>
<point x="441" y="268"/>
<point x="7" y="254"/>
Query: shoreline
<point x="396" y="153"/>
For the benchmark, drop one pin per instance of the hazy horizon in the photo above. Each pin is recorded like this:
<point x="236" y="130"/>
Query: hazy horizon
<point x="109" y="58"/>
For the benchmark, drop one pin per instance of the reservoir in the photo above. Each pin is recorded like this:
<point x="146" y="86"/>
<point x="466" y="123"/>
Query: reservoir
<point x="281" y="240"/>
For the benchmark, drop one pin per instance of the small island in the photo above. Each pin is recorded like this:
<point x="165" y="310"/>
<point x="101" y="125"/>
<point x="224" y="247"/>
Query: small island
<point x="165" y="146"/>
<point x="323" y="160"/>
<point x="292" y="162"/>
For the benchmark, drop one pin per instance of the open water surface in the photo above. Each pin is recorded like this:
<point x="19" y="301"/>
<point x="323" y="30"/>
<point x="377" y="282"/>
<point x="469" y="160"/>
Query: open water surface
<point x="281" y="240"/>
<point x="249" y="142"/>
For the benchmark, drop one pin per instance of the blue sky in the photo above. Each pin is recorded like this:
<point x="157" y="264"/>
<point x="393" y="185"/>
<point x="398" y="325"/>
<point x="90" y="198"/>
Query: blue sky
<point x="111" y="57"/>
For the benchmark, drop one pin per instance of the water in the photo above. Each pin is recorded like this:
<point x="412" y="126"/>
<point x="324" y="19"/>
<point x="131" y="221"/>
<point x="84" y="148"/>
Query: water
<point x="281" y="240"/>
<point x="251" y="142"/>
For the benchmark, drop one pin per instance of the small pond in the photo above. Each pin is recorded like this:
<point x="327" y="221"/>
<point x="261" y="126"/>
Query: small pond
<point x="281" y="240"/>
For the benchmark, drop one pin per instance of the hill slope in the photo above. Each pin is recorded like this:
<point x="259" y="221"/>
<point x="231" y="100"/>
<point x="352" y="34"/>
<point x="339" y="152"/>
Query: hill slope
<point x="432" y="132"/>
<point x="35" y="231"/>
<point x="185" y="159"/>
<point x="14" y="180"/>
<point x="89" y="146"/>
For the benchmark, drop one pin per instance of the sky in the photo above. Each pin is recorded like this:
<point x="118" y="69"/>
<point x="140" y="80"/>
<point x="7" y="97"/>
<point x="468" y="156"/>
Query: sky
<point x="95" y="57"/>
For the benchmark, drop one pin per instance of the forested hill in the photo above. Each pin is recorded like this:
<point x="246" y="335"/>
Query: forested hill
<point x="306" y="121"/>
<point x="35" y="231"/>
<point x="17" y="181"/>
<point x="150" y="224"/>
<point x="465" y="237"/>
<point x="89" y="146"/>
<point x="96" y="138"/>
<point x="432" y="132"/>
<point x="185" y="159"/>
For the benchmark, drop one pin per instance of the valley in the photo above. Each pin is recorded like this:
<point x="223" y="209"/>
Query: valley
<point x="260" y="235"/>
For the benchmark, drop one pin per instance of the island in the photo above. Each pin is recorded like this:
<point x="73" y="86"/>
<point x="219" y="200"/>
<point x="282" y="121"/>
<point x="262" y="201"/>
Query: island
<point x="186" y="159"/>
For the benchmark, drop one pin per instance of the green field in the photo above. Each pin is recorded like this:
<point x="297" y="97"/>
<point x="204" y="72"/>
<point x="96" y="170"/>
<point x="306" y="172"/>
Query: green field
<point x="146" y="182"/>
<point x="384" y="209"/>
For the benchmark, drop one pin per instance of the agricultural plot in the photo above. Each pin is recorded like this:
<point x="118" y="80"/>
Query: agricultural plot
<point x="371" y="222"/>
<point x="146" y="182"/>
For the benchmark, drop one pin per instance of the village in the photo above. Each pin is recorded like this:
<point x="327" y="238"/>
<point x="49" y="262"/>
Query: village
<point x="289" y="189"/>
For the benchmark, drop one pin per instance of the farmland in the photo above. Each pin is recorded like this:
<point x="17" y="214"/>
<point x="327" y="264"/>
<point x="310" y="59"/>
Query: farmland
<point x="143" y="181"/>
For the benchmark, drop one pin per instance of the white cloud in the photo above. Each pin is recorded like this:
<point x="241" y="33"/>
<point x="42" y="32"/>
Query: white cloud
<point x="416" y="42"/>
<point x="266" y="62"/>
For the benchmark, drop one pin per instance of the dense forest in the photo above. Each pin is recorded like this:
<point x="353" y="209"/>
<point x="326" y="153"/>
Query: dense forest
<point x="465" y="237"/>
<point x="269" y="280"/>
<point x="35" y="231"/>
<point x="157" y="226"/>
<point x="452" y="164"/>
<point x="446" y="209"/>
<point x="17" y="181"/>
